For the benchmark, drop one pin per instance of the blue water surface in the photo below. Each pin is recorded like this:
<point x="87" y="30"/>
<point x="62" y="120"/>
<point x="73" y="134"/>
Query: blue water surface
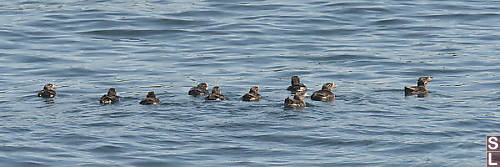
<point x="370" y="49"/>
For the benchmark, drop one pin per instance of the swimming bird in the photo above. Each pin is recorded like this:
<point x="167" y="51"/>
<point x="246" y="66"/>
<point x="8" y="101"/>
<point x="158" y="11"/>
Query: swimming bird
<point x="296" y="85"/>
<point x="199" y="90"/>
<point x="420" y="90"/>
<point x="48" y="91"/>
<point x="296" y="102"/>
<point x="150" y="99"/>
<point x="215" y="95"/>
<point x="252" y="95"/>
<point x="325" y="94"/>
<point x="110" y="98"/>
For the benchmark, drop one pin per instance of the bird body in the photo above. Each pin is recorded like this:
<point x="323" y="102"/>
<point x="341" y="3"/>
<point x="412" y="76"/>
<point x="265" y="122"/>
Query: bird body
<point x="252" y="95"/>
<point x="296" y="102"/>
<point x="48" y="91"/>
<point x="199" y="90"/>
<point x="215" y="95"/>
<point x="110" y="97"/>
<point x="325" y="94"/>
<point x="150" y="99"/>
<point x="296" y="86"/>
<point x="420" y="90"/>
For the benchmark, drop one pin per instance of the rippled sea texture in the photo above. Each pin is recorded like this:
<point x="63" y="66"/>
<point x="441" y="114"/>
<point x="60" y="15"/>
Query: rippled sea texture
<point x="371" y="50"/>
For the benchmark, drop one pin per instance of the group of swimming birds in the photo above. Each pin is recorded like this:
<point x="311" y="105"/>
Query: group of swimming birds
<point x="297" y="88"/>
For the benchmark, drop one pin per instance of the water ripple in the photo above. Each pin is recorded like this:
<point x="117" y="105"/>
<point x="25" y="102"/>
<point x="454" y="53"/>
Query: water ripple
<point x="370" y="49"/>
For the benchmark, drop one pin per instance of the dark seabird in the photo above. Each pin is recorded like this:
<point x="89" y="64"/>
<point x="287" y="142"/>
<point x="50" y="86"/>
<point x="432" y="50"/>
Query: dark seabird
<point x="420" y="90"/>
<point x="110" y="98"/>
<point x="296" y="102"/>
<point x="199" y="90"/>
<point x="150" y="99"/>
<point x="48" y="91"/>
<point x="296" y="85"/>
<point x="325" y="94"/>
<point x="252" y="95"/>
<point x="215" y="95"/>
